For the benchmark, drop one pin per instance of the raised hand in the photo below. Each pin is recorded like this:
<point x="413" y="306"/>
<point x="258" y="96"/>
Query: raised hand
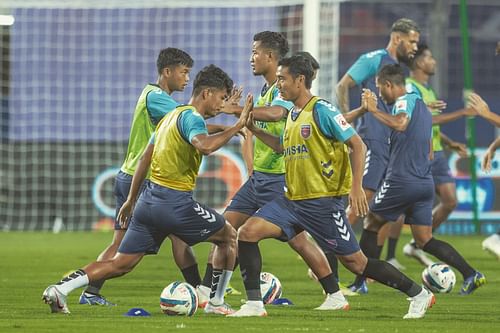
<point x="246" y="111"/>
<point x="437" y="106"/>
<point x="478" y="104"/>
<point x="369" y="100"/>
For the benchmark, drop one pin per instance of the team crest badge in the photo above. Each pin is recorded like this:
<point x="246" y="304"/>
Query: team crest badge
<point x="305" y="131"/>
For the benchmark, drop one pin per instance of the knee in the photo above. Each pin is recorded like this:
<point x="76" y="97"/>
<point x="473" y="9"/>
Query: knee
<point x="372" y="223"/>
<point x="248" y="233"/>
<point x="422" y="241"/>
<point x="356" y="264"/>
<point x="451" y="204"/>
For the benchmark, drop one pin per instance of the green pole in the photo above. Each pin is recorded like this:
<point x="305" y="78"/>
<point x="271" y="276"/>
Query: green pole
<point x="470" y="122"/>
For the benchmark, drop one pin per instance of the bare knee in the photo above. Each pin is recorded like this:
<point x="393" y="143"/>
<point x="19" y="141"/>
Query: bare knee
<point x="373" y="222"/>
<point x="248" y="233"/>
<point x="356" y="262"/>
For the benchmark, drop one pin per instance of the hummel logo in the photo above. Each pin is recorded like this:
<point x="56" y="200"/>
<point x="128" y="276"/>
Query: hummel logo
<point x="381" y="193"/>
<point x="205" y="214"/>
<point x="341" y="226"/>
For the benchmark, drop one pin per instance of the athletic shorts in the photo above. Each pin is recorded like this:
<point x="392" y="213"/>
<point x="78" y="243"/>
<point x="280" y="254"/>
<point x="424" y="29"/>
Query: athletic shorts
<point x="377" y="158"/>
<point x="440" y="169"/>
<point x="413" y="199"/>
<point x="323" y="218"/>
<point x="260" y="189"/>
<point x="161" y="211"/>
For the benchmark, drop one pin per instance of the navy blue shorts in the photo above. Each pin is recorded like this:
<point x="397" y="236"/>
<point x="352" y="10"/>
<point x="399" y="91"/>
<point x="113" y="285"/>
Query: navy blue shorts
<point x="260" y="189"/>
<point x="123" y="181"/>
<point x="440" y="169"/>
<point x="323" y="218"/>
<point x="161" y="211"/>
<point x="377" y="158"/>
<point x="413" y="199"/>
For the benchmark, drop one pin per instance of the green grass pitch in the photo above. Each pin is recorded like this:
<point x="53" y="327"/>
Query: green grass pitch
<point x="31" y="261"/>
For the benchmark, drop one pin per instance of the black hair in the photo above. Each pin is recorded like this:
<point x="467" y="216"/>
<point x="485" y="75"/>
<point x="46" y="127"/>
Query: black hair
<point x="299" y="65"/>
<point x="308" y="56"/>
<point x="274" y="41"/>
<point x="421" y="48"/>
<point x="393" y="73"/>
<point x="171" y="57"/>
<point x="212" y="76"/>
<point x="405" y="25"/>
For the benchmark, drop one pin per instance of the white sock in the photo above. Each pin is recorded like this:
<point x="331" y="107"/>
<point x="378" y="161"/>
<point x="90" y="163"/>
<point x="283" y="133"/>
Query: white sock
<point x="224" y="279"/>
<point x="73" y="281"/>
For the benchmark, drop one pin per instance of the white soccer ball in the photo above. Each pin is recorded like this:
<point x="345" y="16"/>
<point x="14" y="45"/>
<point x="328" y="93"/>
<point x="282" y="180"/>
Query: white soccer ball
<point x="179" y="299"/>
<point x="439" y="278"/>
<point x="270" y="287"/>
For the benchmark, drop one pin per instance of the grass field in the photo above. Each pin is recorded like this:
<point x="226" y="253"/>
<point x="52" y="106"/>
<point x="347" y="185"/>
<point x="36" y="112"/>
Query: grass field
<point x="31" y="261"/>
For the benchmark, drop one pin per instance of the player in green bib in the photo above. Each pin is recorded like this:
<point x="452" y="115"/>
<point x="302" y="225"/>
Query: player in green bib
<point x="267" y="179"/>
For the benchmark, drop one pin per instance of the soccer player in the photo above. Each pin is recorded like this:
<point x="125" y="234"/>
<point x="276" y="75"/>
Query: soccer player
<point x="174" y="66"/>
<point x="491" y="243"/>
<point x="318" y="173"/>
<point x="166" y="205"/>
<point x="404" y="37"/>
<point x="422" y="67"/>
<point x="408" y="188"/>
<point x="267" y="180"/>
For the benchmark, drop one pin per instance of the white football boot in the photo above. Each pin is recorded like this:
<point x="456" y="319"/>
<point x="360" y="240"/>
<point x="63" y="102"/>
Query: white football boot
<point x="55" y="299"/>
<point x="335" y="301"/>
<point x="250" y="309"/>
<point x="419" y="304"/>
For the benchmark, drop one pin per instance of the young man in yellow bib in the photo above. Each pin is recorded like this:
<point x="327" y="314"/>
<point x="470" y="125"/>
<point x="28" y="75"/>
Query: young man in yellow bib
<point x="317" y="174"/>
<point x="166" y="206"/>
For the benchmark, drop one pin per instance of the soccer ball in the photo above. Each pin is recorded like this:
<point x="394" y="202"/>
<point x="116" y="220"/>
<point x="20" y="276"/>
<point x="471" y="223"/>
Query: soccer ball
<point x="270" y="287"/>
<point x="439" y="278"/>
<point x="179" y="299"/>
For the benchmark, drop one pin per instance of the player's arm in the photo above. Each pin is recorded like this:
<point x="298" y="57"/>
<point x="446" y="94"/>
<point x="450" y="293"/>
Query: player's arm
<point x="398" y="122"/>
<point x="247" y="151"/>
<point x="139" y="175"/>
<point x="334" y="126"/>
<point x="490" y="154"/>
<point x="216" y="128"/>
<point x="207" y="143"/>
<point x="451" y="116"/>
<point x="262" y="113"/>
<point x="357" y="197"/>
<point x="459" y="147"/>
<point x="271" y="140"/>
<point x="482" y="108"/>
<point x="342" y="90"/>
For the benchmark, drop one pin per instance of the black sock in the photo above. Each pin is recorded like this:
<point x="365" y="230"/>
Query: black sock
<point x="334" y="264"/>
<point x="446" y="253"/>
<point x="215" y="281"/>
<point x="192" y="275"/>
<point x="391" y="248"/>
<point x="207" y="279"/>
<point x="385" y="273"/>
<point x="95" y="287"/>
<point x="329" y="284"/>
<point x="368" y="244"/>
<point x="250" y="267"/>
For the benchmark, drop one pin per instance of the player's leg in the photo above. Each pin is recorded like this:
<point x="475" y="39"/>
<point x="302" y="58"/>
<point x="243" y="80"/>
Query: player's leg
<point x="241" y="207"/>
<point x="447" y="203"/>
<point x="224" y="256"/>
<point x="448" y="254"/>
<point x="385" y="273"/>
<point x="186" y="261"/>
<point x="394" y="231"/>
<point x="319" y="264"/>
<point x="91" y="295"/>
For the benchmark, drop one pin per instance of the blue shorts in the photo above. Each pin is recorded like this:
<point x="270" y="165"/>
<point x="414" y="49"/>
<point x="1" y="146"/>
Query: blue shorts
<point x="323" y="218"/>
<point x="440" y="169"/>
<point x="413" y="199"/>
<point x="161" y="211"/>
<point x="260" y="189"/>
<point x="377" y="158"/>
<point x="123" y="181"/>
